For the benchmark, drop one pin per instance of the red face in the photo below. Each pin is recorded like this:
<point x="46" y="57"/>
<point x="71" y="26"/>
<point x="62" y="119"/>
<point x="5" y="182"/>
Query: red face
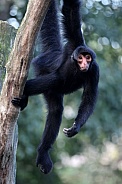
<point x="84" y="61"/>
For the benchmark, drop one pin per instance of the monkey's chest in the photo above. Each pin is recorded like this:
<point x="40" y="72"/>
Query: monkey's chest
<point x="72" y="83"/>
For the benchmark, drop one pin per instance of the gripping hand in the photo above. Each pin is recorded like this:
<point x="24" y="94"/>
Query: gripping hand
<point x="20" y="102"/>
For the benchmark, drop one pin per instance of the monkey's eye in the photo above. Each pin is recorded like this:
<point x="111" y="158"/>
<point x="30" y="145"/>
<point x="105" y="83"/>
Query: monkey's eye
<point x="80" y="57"/>
<point x="88" y="57"/>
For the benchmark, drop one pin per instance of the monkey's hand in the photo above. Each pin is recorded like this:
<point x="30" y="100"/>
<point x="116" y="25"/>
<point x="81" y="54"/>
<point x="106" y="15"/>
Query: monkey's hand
<point x="70" y="132"/>
<point x="20" y="102"/>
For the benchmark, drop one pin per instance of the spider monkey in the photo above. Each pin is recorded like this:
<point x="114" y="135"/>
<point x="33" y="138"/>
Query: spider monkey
<point x="61" y="70"/>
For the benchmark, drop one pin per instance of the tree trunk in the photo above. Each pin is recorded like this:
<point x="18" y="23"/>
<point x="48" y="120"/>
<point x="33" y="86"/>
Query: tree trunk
<point x="7" y="35"/>
<point x="16" y="74"/>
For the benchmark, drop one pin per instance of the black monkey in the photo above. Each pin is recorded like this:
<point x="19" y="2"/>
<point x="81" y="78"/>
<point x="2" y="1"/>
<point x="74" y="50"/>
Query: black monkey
<point x="59" y="71"/>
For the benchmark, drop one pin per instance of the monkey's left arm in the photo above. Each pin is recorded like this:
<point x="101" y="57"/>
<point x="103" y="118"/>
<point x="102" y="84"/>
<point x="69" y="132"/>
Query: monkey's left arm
<point x="88" y="102"/>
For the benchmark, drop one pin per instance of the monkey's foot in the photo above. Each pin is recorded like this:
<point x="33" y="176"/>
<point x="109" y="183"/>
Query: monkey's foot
<point x="70" y="132"/>
<point x="44" y="162"/>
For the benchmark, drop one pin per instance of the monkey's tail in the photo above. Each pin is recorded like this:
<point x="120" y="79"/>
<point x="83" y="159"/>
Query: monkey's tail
<point x="50" y="31"/>
<point x="72" y="22"/>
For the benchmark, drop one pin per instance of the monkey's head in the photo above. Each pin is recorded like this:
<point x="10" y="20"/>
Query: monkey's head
<point x="83" y="57"/>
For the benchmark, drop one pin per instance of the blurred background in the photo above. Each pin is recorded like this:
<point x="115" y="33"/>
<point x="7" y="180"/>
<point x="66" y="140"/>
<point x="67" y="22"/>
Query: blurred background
<point x="94" y="156"/>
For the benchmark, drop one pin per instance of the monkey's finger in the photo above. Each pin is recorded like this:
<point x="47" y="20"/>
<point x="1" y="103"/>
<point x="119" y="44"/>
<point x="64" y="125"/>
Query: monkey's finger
<point x="67" y="129"/>
<point x="67" y="132"/>
<point x="16" y="101"/>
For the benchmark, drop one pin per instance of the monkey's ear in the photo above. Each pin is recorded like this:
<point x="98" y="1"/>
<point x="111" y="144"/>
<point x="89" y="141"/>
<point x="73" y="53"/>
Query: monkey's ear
<point x="74" y="55"/>
<point x="73" y="59"/>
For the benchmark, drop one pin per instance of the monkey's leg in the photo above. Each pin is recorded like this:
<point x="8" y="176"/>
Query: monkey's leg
<point x="54" y="117"/>
<point x="41" y="84"/>
<point x="36" y="86"/>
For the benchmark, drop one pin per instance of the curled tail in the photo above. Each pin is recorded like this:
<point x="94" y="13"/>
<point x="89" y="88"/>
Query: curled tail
<point x="72" y="22"/>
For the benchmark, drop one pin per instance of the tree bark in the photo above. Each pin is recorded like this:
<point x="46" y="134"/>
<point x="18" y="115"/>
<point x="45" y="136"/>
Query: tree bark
<point x="16" y="75"/>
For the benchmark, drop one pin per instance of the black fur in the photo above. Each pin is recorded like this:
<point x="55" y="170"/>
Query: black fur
<point x="57" y="74"/>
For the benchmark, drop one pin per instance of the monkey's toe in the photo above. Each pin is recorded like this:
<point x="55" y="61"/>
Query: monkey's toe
<point x="44" y="162"/>
<point x="45" y="169"/>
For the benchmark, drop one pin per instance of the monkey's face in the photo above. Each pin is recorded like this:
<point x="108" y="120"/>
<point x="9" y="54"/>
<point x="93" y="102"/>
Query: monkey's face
<point x="84" y="61"/>
<point x="83" y="56"/>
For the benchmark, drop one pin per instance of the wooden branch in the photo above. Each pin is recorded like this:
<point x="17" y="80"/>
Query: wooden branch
<point x="17" y="68"/>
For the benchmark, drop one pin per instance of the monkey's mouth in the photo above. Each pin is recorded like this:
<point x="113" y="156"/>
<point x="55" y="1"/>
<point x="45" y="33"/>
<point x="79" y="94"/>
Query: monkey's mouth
<point x="83" y="70"/>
